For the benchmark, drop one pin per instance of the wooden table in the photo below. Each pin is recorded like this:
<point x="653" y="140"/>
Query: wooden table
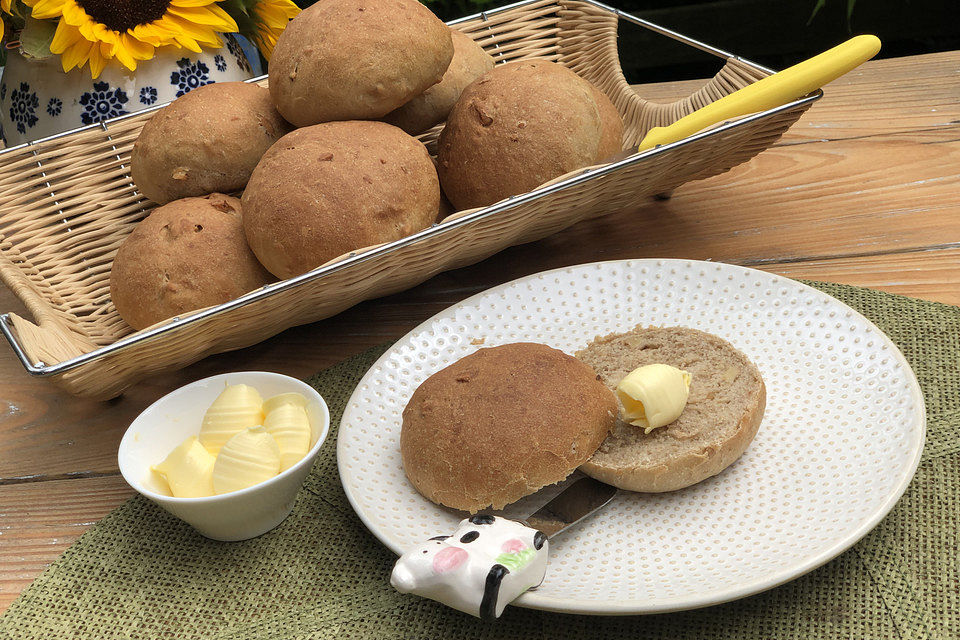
<point x="864" y="190"/>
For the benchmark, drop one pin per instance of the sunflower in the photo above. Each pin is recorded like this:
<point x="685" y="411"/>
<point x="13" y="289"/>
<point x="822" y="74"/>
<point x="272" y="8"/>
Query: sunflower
<point x="129" y="30"/>
<point x="5" y="8"/>
<point x="271" y="17"/>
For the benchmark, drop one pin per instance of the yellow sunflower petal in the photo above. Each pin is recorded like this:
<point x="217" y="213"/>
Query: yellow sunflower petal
<point x="1" y="28"/>
<point x="105" y="34"/>
<point x="276" y="9"/>
<point x="77" y="55"/>
<point x="188" y="43"/>
<point x="5" y="5"/>
<point x="139" y="50"/>
<point x="212" y="16"/>
<point x="124" y="57"/>
<point x="65" y="36"/>
<point x="272" y="19"/>
<point x="191" y="3"/>
<point x="44" y="9"/>
<point x="153" y="33"/>
<point x="99" y="59"/>
<point x="75" y="15"/>
<point x="180" y="28"/>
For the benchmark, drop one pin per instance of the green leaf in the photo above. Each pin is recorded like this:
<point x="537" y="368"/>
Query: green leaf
<point x="242" y="12"/>
<point x="816" y="9"/>
<point x="36" y="37"/>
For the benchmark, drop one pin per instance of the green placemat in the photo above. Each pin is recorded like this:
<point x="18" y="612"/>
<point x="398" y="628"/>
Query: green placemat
<point x="140" y="573"/>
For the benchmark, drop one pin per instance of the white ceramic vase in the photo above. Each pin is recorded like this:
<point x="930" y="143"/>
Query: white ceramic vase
<point x="37" y="99"/>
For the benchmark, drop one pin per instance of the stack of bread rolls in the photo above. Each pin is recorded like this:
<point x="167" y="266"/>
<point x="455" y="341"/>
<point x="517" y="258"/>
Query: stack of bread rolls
<point x="326" y="159"/>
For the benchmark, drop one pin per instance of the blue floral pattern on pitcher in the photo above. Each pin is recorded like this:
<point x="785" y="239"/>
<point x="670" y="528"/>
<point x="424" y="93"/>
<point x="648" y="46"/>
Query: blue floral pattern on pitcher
<point x="190" y="76"/>
<point x="23" y="107"/>
<point x="234" y="47"/>
<point x="148" y="95"/>
<point x="54" y="106"/>
<point x="38" y="100"/>
<point x="102" y="103"/>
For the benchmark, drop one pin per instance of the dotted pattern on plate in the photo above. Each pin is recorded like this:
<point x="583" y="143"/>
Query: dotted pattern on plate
<point x="841" y="433"/>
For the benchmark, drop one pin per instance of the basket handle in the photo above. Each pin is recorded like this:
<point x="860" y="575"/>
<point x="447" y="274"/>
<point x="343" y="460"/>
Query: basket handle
<point x="50" y="340"/>
<point x="772" y="91"/>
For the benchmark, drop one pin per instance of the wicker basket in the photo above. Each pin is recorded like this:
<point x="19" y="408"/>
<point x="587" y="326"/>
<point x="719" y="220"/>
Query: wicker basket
<point x="66" y="204"/>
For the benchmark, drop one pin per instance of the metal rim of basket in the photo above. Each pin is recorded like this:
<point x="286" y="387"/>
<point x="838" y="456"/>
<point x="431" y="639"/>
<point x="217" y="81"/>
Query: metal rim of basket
<point x="41" y="369"/>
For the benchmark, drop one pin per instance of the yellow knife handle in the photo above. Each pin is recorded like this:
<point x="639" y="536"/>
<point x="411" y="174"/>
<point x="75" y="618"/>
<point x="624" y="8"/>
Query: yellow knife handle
<point x="780" y="88"/>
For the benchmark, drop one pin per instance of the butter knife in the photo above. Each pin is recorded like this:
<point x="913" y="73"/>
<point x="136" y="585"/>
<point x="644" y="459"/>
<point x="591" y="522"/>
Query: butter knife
<point x="489" y="561"/>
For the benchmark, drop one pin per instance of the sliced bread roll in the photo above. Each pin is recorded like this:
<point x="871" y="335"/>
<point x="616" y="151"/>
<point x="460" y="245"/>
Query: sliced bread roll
<point x="722" y="415"/>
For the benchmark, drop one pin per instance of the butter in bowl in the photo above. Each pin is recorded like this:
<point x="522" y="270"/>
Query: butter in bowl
<point x="227" y="454"/>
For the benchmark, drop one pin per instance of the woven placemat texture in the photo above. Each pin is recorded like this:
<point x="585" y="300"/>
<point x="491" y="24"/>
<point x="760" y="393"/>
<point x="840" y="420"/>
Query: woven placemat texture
<point x="140" y="573"/>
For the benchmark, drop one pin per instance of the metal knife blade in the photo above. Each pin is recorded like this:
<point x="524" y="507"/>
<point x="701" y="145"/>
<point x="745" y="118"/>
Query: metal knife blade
<point x="580" y="500"/>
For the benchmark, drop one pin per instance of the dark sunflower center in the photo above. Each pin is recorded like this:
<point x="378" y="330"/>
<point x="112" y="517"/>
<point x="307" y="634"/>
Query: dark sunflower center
<point x="121" y="15"/>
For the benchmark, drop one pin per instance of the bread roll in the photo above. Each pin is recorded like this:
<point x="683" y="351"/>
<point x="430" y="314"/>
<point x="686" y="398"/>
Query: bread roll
<point x="722" y="415"/>
<point x="501" y="423"/>
<point x="611" y="127"/>
<point x="208" y="140"/>
<point x="356" y="59"/>
<point x="432" y="106"/>
<point x="329" y="189"/>
<point x="185" y="255"/>
<point x="518" y="126"/>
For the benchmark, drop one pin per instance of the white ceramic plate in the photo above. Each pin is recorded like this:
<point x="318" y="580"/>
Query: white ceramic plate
<point x="840" y="440"/>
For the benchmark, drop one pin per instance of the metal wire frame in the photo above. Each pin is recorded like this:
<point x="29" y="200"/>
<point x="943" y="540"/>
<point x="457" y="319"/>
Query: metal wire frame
<point x="42" y="369"/>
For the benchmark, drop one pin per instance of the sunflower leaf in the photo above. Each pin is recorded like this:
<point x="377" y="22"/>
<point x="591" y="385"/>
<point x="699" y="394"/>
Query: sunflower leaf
<point x="36" y="37"/>
<point x="242" y="13"/>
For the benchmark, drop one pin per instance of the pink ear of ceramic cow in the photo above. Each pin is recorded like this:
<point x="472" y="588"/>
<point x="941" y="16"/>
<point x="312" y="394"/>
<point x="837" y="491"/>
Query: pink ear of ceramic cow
<point x="487" y="563"/>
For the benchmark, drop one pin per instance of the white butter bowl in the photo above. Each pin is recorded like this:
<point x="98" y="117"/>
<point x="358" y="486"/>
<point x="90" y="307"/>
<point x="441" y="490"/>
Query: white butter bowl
<point x="238" y="515"/>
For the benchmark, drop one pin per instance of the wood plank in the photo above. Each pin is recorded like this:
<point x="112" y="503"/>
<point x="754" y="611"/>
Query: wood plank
<point x="879" y="98"/>
<point x="931" y="275"/>
<point x="39" y="520"/>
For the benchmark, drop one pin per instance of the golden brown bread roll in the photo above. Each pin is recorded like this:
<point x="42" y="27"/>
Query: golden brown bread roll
<point x="518" y="126"/>
<point x="611" y="131"/>
<point x="469" y="62"/>
<point x="356" y="59"/>
<point x="185" y="255"/>
<point x="329" y="189"/>
<point x="208" y="140"/>
<point x="501" y="423"/>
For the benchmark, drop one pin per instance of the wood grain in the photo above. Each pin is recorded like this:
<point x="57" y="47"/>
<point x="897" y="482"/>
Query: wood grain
<point x="933" y="274"/>
<point x="865" y="190"/>
<point x="38" y="522"/>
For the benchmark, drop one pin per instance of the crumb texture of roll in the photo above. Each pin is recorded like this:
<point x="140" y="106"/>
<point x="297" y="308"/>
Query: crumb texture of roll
<point x="356" y="59"/>
<point x="432" y="106"/>
<point x="185" y="255"/>
<point x="206" y="141"/>
<point x="502" y="423"/>
<point x="332" y="188"/>
<point x="722" y="415"/>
